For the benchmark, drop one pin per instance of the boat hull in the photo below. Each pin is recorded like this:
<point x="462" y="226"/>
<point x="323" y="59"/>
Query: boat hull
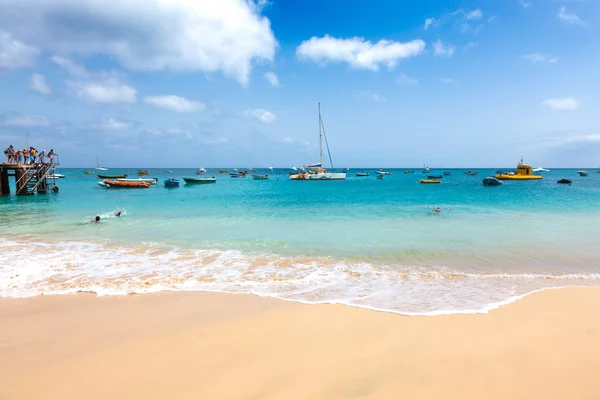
<point x="322" y="176"/>
<point x="362" y="174"/>
<point x="112" y="176"/>
<point x="508" y="177"/>
<point x="260" y="177"/>
<point x="125" y="185"/>
<point x="151" y="181"/>
<point x="430" y="181"/>
<point x="491" y="181"/>
<point x="199" y="181"/>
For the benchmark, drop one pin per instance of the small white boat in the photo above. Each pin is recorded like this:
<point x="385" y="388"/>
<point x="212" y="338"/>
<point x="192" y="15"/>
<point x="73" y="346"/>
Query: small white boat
<point x="426" y="169"/>
<point x="270" y="168"/>
<point x="541" y="170"/>
<point x="382" y="172"/>
<point x="98" y="167"/>
<point x="200" y="171"/>
<point x="294" y="168"/>
<point x="582" y="173"/>
<point x="151" y="181"/>
<point x="56" y="175"/>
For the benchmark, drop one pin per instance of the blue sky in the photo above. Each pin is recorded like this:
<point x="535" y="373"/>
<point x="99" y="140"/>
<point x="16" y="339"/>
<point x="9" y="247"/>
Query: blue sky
<point x="185" y="83"/>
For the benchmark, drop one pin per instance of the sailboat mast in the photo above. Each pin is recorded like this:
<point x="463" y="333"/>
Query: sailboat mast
<point x="320" y="138"/>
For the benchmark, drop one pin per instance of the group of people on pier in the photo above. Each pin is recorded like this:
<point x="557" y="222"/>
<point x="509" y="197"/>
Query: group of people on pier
<point x="31" y="156"/>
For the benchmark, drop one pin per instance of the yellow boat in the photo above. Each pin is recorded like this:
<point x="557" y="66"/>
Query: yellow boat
<point x="430" y="181"/>
<point x="524" y="173"/>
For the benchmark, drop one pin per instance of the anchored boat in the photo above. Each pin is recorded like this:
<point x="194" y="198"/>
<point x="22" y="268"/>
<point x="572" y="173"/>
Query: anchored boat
<point x="362" y="174"/>
<point x="120" y="184"/>
<point x="491" y="181"/>
<point x="564" y="181"/>
<point x="430" y="181"/>
<point x="582" y="173"/>
<point x="171" y="183"/>
<point x="316" y="172"/>
<point x="523" y="173"/>
<point x="199" y="180"/>
<point x="112" y="176"/>
<point x="260" y="177"/>
<point x="151" y="181"/>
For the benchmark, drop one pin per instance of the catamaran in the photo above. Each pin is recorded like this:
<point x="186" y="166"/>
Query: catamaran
<point x="316" y="172"/>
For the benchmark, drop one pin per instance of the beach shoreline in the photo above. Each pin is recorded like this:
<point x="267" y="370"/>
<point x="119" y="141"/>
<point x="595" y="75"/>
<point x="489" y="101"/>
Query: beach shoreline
<point x="211" y="345"/>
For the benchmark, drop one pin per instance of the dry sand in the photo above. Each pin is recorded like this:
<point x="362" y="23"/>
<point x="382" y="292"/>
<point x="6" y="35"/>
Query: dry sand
<point x="219" y="346"/>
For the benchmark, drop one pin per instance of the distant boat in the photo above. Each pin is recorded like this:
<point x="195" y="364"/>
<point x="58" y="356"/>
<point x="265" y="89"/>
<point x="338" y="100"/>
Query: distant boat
<point x="170" y="183"/>
<point x="491" y="181"/>
<point x="426" y="169"/>
<point x="223" y="171"/>
<point x="524" y="173"/>
<point x="409" y="172"/>
<point x="382" y="172"/>
<point x="541" y="170"/>
<point x="198" y="180"/>
<point x="582" y="173"/>
<point x="564" y="181"/>
<point x="238" y="175"/>
<point x="200" y="171"/>
<point x="142" y="172"/>
<point x="434" y="176"/>
<point x="169" y="171"/>
<point x="88" y="172"/>
<point x="56" y="175"/>
<point x="447" y="173"/>
<point x="380" y="176"/>
<point x="111" y="176"/>
<point x="98" y="167"/>
<point x="294" y="168"/>
<point x="120" y="184"/>
<point x="362" y="174"/>
<point x="151" y="181"/>
<point x="270" y="168"/>
<point x="430" y="181"/>
<point x="259" y="177"/>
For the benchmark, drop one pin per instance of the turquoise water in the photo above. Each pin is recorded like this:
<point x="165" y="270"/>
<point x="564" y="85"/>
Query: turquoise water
<point x="364" y="241"/>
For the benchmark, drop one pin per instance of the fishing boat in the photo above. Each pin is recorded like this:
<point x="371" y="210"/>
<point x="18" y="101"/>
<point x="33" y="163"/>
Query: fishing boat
<point x="582" y="173"/>
<point x="120" y="184"/>
<point x="430" y="181"/>
<point x="171" y="183"/>
<point x="316" y="172"/>
<point x="524" y="173"/>
<point x="472" y="173"/>
<point x="88" y="172"/>
<point x="270" y="168"/>
<point x="362" y="174"/>
<point x="142" y="172"/>
<point x="260" y="177"/>
<point x="409" y="172"/>
<point x="200" y="171"/>
<point x="238" y="175"/>
<point x="491" y="181"/>
<point x="199" y="180"/>
<point x="98" y="167"/>
<point x="564" y="181"/>
<point x="223" y="171"/>
<point x="434" y="176"/>
<point x="383" y="172"/>
<point x="447" y="173"/>
<point x="152" y="181"/>
<point x="426" y="169"/>
<point x="56" y="175"/>
<point x="112" y="176"/>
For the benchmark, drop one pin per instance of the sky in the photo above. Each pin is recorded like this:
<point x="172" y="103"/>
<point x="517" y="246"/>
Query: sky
<point x="236" y="83"/>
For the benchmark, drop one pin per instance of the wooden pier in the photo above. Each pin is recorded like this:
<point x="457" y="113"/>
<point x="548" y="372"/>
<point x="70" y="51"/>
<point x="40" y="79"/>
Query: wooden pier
<point x="29" y="178"/>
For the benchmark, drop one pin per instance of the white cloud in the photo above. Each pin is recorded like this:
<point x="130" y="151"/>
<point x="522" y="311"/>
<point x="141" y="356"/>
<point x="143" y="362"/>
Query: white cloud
<point x="112" y="124"/>
<point x="69" y="66"/>
<point x="439" y="49"/>
<point x="540" y="57"/>
<point x="271" y="77"/>
<point x="447" y="80"/>
<point x="357" y="52"/>
<point x="27" y="120"/>
<point x="210" y="36"/>
<point x="566" y="104"/>
<point x="262" y="115"/>
<point x="429" y="22"/>
<point x="525" y="4"/>
<point x="403" y="78"/>
<point x="109" y="90"/>
<point x="175" y="103"/>
<point x="38" y="84"/>
<point x="287" y="140"/>
<point x="170" y="132"/>
<point x="569" y="17"/>
<point x="13" y="53"/>
<point x="475" y="14"/>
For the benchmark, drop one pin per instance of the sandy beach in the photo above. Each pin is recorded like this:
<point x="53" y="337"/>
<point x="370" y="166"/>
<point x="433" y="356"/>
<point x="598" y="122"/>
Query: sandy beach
<point x="221" y="346"/>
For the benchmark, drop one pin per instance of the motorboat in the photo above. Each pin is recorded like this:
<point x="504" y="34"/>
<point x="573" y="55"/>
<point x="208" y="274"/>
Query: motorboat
<point x="108" y="183"/>
<point x="434" y="176"/>
<point x="294" y="168"/>
<point x="238" y="175"/>
<point x="88" y="172"/>
<point x="260" y="177"/>
<point x="56" y="175"/>
<point x="200" y="171"/>
<point x="223" y="171"/>
<point x="564" y="181"/>
<point x="122" y="176"/>
<point x="199" y="180"/>
<point x="362" y="174"/>
<point x="426" y="169"/>
<point x="409" y="172"/>
<point x="151" y="181"/>
<point x="582" y="173"/>
<point x="380" y="176"/>
<point x="270" y="168"/>
<point x="142" y="172"/>
<point x="430" y="181"/>
<point x="472" y="173"/>
<point x="383" y="172"/>
<point x="540" y="169"/>
<point x="491" y="181"/>
<point x="171" y="183"/>
<point x="523" y="173"/>
<point x="447" y="173"/>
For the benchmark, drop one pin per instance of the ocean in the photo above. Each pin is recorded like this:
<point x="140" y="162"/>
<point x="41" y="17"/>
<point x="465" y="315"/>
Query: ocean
<point x="364" y="242"/>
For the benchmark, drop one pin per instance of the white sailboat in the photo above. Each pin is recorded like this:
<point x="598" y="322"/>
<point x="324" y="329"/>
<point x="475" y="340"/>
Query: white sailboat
<point x="314" y="172"/>
<point x="270" y="168"/>
<point x="98" y="167"/>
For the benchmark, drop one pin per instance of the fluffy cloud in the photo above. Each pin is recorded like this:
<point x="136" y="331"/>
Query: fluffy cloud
<point x="38" y="84"/>
<point x="404" y="79"/>
<point x="566" y="104"/>
<point x="272" y="78"/>
<point x="357" y="52"/>
<point x="26" y="120"/>
<point x="175" y="103"/>
<point x="111" y="124"/>
<point x="525" y="4"/>
<point x="15" y="54"/>
<point x="569" y="17"/>
<point x="475" y="14"/>
<point x="539" y="57"/>
<point x="456" y="17"/>
<point x="225" y="36"/>
<point x="429" y="22"/>
<point x="262" y="115"/>
<point x="108" y="91"/>
<point x="69" y="66"/>
<point x="439" y="49"/>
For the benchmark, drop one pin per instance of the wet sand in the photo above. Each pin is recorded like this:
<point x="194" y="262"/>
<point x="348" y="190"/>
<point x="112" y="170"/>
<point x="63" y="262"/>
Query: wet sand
<point x="222" y="346"/>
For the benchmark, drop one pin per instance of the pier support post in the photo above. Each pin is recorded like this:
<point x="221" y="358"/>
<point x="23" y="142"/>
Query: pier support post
<point x="4" y="186"/>
<point x="18" y="175"/>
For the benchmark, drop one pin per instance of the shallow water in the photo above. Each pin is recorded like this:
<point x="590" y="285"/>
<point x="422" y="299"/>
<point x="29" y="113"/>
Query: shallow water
<point x="364" y="241"/>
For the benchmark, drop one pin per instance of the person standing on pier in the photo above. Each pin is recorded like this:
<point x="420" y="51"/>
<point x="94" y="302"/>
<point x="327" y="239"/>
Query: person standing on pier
<point x="51" y="155"/>
<point x="25" y="155"/>
<point x="18" y="157"/>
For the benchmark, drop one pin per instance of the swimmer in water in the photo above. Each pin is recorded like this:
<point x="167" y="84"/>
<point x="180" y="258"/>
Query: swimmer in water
<point x="118" y="214"/>
<point x="436" y="210"/>
<point x="95" y="221"/>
